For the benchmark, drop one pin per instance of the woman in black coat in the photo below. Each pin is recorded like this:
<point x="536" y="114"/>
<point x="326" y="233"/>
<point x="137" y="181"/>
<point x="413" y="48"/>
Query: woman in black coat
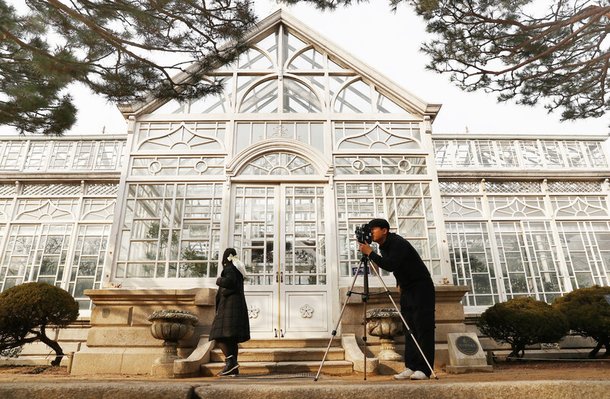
<point x="231" y="324"/>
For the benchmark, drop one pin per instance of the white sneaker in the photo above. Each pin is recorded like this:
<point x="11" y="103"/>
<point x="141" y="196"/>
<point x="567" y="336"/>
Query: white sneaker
<point x="404" y="375"/>
<point x="419" y="375"/>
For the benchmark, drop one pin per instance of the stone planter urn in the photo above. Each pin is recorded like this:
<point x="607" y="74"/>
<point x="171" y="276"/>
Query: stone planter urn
<point x="171" y="326"/>
<point x="385" y="324"/>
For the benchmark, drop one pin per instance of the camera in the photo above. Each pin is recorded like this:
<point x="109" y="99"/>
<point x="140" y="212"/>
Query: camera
<point x="363" y="234"/>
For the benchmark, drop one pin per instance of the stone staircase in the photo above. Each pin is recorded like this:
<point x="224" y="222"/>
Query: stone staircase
<point x="284" y="356"/>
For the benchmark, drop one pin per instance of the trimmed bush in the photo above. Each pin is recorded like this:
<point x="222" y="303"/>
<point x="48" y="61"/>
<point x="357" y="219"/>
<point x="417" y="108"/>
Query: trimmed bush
<point x="588" y="313"/>
<point x="27" y="310"/>
<point x="521" y="322"/>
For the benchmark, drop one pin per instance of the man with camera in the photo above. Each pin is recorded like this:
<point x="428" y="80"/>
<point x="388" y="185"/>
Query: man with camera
<point x="416" y="295"/>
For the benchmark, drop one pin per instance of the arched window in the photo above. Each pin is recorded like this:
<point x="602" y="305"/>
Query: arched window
<point x="278" y="164"/>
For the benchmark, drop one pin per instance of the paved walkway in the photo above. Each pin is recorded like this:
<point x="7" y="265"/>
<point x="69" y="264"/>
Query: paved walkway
<point x="582" y="381"/>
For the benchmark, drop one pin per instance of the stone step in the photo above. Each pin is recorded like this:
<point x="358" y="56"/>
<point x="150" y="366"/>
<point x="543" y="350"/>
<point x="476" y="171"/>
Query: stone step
<point x="291" y="343"/>
<point x="331" y="367"/>
<point x="282" y="354"/>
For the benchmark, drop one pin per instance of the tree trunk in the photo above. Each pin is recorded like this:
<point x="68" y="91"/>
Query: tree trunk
<point x="53" y="345"/>
<point x="595" y="350"/>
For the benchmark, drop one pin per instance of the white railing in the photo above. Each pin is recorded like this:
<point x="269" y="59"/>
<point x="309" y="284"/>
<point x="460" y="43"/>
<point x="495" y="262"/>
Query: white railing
<point x="61" y="154"/>
<point x="520" y="154"/>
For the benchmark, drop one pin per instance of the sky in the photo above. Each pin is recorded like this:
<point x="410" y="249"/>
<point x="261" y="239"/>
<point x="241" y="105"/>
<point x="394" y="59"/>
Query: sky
<point x="389" y="42"/>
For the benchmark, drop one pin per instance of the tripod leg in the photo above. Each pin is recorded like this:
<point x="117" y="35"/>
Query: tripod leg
<point x="334" y="332"/>
<point x="432" y="373"/>
<point x="364" y="339"/>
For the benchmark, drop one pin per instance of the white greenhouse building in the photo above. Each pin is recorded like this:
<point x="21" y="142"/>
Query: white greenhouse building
<point x="304" y="144"/>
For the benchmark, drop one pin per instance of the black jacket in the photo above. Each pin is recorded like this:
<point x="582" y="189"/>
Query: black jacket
<point x="399" y="256"/>
<point x="231" y="320"/>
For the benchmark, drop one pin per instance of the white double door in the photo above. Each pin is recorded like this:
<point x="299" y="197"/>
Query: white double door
<point x="280" y="232"/>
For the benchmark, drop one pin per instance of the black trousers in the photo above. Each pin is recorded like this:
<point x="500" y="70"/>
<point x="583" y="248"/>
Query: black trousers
<point x="417" y="307"/>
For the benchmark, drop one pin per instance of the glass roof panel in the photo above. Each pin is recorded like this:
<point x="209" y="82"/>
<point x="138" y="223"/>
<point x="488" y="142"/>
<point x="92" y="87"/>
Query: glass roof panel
<point x="262" y="98"/>
<point x="270" y="45"/>
<point x="355" y="98"/>
<point x="254" y="59"/>
<point x="308" y="60"/>
<point x="299" y="98"/>
<point x="387" y="106"/>
<point x="294" y="44"/>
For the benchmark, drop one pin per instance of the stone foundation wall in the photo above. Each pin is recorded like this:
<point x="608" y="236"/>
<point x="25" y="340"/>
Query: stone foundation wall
<point x="449" y="314"/>
<point x="119" y="340"/>
<point x="72" y="339"/>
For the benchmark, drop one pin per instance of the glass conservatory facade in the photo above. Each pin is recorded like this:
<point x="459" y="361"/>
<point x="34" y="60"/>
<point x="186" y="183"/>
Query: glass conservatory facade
<point x="304" y="144"/>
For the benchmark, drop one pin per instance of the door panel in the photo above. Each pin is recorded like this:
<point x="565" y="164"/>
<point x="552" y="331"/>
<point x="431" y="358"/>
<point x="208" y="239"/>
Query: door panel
<point x="254" y="237"/>
<point x="279" y="231"/>
<point x="304" y="307"/>
<point x="306" y="313"/>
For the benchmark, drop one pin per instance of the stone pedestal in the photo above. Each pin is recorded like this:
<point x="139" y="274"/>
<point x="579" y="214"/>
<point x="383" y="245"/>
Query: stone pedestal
<point x="119" y="340"/>
<point x="449" y="314"/>
<point x="386" y="324"/>
<point x="171" y="326"/>
<point x="465" y="354"/>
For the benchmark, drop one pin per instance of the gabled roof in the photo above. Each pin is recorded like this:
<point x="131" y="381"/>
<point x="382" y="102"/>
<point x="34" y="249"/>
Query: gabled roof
<point x="412" y="103"/>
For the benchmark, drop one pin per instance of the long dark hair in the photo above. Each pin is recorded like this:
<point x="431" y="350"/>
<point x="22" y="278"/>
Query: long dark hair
<point x="228" y="252"/>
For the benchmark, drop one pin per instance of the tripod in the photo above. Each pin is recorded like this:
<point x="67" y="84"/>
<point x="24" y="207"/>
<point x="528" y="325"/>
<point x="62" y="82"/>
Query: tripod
<point x="364" y="266"/>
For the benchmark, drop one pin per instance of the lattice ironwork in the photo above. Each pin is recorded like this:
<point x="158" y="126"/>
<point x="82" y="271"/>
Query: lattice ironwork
<point x="103" y="189"/>
<point x="512" y="187"/>
<point x="51" y="189"/>
<point x="8" y="189"/>
<point x="574" y="186"/>
<point x="451" y="187"/>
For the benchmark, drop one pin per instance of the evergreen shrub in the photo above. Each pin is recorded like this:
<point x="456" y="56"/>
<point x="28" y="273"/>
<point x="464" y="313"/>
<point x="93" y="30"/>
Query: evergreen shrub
<point x="588" y="313"/>
<point x="521" y="322"/>
<point x="27" y="310"/>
